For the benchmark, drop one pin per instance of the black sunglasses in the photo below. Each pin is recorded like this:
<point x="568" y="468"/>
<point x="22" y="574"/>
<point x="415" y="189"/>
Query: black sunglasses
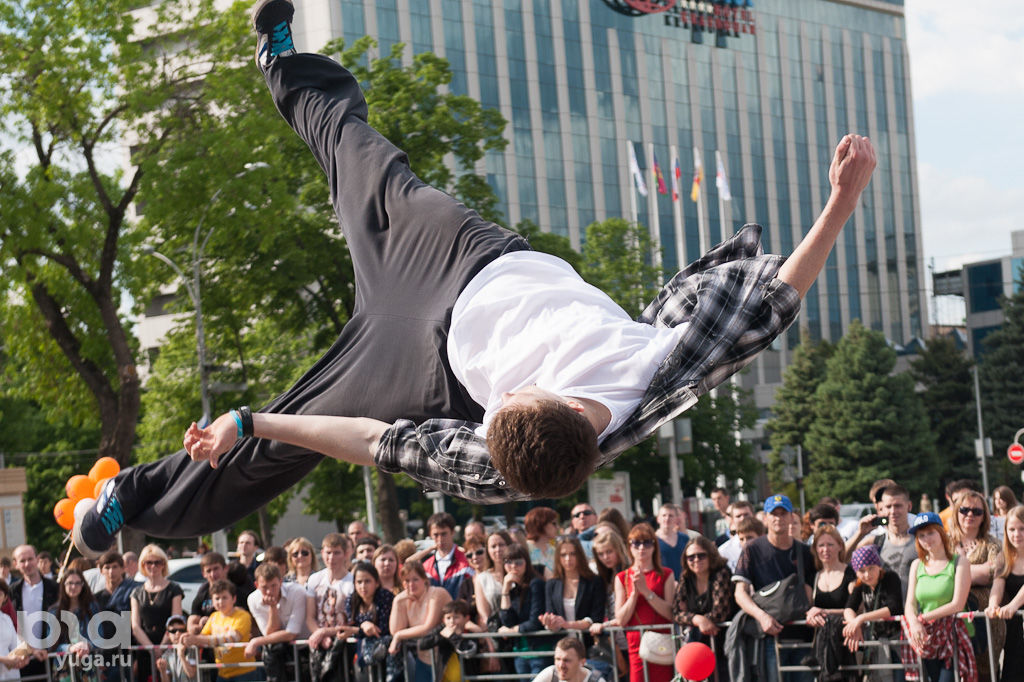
<point x="300" y="552"/>
<point x="175" y="631"/>
<point x="699" y="556"/>
<point x="641" y="543"/>
<point x="977" y="511"/>
<point x="584" y="512"/>
<point x="476" y="552"/>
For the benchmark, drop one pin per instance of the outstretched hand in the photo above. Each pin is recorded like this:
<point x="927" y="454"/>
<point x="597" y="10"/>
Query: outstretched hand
<point x="210" y="443"/>
<point x="852" y="165"/>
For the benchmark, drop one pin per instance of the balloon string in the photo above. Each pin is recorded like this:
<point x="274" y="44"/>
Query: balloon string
<point x="67" y="555"/>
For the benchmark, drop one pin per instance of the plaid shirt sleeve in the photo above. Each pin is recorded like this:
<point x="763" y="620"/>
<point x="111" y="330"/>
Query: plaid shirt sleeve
<point x="445" y="455"/>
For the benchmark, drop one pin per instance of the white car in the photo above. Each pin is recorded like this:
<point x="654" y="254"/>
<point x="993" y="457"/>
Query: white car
<point x="185" y="572"/>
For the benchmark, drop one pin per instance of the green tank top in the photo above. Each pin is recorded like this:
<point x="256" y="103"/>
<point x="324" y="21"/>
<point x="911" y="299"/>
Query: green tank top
<point x="935" y="590"/>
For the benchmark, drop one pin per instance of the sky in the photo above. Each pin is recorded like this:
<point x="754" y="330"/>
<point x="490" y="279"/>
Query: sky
<point x="967" y="75"/>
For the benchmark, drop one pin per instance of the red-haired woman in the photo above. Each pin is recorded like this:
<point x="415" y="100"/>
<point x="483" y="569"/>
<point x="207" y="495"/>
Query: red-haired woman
<point x="937" y="591"/>
<point x="643" y="596"/>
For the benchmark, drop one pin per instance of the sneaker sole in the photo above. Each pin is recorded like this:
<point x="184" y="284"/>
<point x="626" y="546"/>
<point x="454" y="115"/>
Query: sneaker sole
<point x="84" y="549"/>
<point x="263" y="4"/>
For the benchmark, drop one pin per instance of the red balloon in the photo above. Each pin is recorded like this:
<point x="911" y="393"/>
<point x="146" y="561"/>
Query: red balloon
<point x="695" y="661"/>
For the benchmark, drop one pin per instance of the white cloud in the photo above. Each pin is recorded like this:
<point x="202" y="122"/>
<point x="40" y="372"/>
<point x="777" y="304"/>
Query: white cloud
<point x="965" y="219"/>
<point x="965" y="47"/>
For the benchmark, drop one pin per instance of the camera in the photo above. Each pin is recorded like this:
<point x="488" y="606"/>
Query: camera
<point x="880" y="521"/>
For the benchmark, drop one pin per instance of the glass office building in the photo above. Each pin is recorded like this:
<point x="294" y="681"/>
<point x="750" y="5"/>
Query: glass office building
<point x="769" y="84"/>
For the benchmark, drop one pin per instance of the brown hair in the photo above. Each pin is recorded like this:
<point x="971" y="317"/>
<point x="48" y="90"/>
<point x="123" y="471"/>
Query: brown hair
<point x="211" y="558"/>
<point x="643" y="531"/>
<point x="548" y="449"/>
<point x="488" y="562"/>
<point x="750" y="524"/>
<point x="715" y="560"/>
<point x="835" y="535"/>
<point x="412" y="566"/>
<point x="572" y="644"/>
<point x="1009" y="551"/>
<point x="223" y="586"/>
<point x="110" y="557"/>
<point x="537" y="519"/>
<point x="404" y="549"/>
<point x="1005" y="493"/>
<point x="581" y="559"/>
<point x="337" y="540"/>
<point x="614" y="516"/>
<point x="268" y="571"/>
<point x="613" y="540"/>
<point x="459" y="606"/>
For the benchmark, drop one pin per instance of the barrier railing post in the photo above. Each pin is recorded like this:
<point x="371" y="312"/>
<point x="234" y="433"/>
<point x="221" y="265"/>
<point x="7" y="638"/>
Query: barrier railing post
<point x="992" y="656"/>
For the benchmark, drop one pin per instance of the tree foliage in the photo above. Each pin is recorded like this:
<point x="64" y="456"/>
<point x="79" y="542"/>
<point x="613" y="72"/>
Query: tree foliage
<point x="943" y="372"/>
<point x="1001" y="375"/>
<point x="868" y="424"/>
<point x="795" y="408"/>
<point x="617" y="259"/>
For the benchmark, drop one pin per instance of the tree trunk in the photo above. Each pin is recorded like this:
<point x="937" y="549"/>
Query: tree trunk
<point x="266" y="530"/>
<point x="391" y="525"/>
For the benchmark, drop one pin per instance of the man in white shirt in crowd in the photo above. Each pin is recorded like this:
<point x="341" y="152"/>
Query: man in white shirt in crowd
<point x="279" y="609"/>
<point x="569" y="659"/>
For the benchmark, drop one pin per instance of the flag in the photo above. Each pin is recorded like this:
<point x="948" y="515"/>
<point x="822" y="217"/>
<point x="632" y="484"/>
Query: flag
<point x="657" y="174"/>
<point x="698" y="175"/>
<point x="634" y="168"/>
<point x="677" y="178"/>
<point x="720" y="180"/>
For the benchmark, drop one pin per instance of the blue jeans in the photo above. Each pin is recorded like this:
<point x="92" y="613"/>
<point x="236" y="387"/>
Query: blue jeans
<point x="786" y="657"/>
<point x="937" y="670"/>
<point x="532" y="665"/>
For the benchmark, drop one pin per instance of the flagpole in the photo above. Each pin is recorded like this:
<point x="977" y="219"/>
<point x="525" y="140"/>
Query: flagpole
<point x="630" y="152"/>
<point x="655" y="227"/>
<point x="677" y="212"/>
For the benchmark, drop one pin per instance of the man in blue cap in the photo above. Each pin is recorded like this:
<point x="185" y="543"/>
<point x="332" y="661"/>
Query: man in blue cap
<point x="766" y="560"/>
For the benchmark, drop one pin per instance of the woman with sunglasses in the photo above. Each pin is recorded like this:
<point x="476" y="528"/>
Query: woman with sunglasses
<point x="487" y="583"/>
<point x="643" y="596"/>
<point x="385" y="560"/>
<point x="939" y="582"/>
<point x="704" y="595"/>
<point x="972" y="540"/>
<point x="302" y="561"/>
<point x="476" y="555"/>
<point x="522" y="602"/>
<point x="153" y="602"/>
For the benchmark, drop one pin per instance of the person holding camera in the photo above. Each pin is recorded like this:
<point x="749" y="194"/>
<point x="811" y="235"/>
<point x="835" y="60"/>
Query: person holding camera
<point x="895" y="545"/>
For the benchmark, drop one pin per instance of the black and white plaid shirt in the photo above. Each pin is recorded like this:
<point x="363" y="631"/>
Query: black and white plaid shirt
<point x="733" y="307"/>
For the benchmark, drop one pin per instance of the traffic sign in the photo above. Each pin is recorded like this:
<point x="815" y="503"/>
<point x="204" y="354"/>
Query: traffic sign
<point x="1015" y="453"/>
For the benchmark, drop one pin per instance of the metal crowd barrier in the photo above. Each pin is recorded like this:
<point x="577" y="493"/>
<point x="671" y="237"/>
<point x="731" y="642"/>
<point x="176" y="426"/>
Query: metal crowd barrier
<point x="376" y="673"/>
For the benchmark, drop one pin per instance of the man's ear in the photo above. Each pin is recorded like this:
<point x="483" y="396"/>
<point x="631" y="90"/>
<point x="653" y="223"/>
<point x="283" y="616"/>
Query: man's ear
<point x="575" y="405"/>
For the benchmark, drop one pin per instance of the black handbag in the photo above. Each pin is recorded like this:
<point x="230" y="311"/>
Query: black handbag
<point x="785" y="600"/>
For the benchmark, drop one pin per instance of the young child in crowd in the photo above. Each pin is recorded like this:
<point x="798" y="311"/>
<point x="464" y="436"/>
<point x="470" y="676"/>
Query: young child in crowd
<point x="457" y="620"/>
<point x="749" y="529"/>
<point x="228" y="624"/>
<point x="177" y="662"/>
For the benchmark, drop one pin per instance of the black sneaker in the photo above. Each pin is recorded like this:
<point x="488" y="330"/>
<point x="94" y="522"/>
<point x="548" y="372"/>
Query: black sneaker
<point x="272" y="20"/>
<point x="95" y="530"/>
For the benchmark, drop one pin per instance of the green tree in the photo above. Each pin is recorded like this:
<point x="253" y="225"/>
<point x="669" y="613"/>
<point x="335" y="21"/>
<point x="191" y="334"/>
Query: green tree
<point x="868" y="424"/>
<point x="1001" y="375"/>
<point x="617" y="260"/>
<point x="943" y="372"/>
<point x="794" y="407"/>
<point x="277" y="281"/>
<point x="550" y="243"/>
<point x="717" y="419"/>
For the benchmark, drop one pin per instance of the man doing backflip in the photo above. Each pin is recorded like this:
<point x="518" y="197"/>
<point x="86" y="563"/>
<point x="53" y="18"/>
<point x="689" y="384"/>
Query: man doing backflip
<point x="473" y="364"/>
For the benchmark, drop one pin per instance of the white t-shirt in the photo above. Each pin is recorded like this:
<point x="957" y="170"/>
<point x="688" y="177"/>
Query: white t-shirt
<point x="8" y="642"/>
<point x="291" y="609"/>
<point x="528" y="318"/>
<point x="329" y="596"/>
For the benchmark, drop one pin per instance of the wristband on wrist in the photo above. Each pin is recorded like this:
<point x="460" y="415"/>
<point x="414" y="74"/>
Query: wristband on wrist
<point x="246" y="414"/>
<point x="238" y="423"/>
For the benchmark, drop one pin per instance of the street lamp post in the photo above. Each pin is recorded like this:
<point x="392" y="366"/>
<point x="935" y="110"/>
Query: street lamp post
<point x="220" y="539"/>
<point x="195" y="294"/>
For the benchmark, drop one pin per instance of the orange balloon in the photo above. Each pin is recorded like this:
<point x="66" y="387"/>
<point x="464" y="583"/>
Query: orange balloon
<point x="79" y="486"/>
<point x="105" y="467"/>
<point x="64" y="513"/>
<point x="99" y="487"/>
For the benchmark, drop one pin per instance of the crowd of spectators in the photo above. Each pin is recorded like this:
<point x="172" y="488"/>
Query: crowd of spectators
<point x="403" y="610"/>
